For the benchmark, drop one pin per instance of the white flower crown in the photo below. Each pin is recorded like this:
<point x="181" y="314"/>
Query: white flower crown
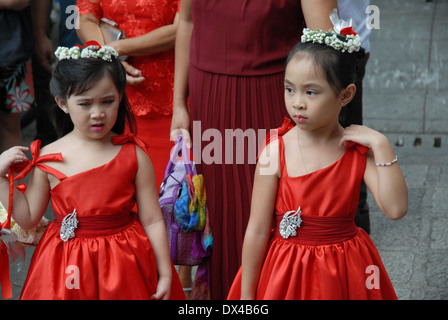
<point x="90" y="51"/>
<point x="341" y="37"/>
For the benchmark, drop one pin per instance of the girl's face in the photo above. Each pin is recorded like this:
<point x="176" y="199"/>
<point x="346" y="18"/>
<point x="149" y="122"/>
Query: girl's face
<point x="309" y="98"/>
<point x="93" y="112"/>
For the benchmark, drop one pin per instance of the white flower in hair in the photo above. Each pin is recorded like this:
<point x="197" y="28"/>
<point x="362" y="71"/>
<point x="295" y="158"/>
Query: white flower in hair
<point x="74" y="53"/>
<point x="92" y="50"/>
<point x="342" y="38"/>
<point x="61" y="53"/>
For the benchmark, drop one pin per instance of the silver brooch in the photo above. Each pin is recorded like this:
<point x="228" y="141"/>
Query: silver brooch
<point x="68" y="226"/>
<point x="290" y="222"/>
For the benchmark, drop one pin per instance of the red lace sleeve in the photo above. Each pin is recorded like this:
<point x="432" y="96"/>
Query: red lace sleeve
<point x="90" y="6"/>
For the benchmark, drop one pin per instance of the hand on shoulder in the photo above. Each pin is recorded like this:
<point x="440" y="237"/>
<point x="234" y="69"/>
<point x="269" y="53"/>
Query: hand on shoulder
<point x="363" y="135"/>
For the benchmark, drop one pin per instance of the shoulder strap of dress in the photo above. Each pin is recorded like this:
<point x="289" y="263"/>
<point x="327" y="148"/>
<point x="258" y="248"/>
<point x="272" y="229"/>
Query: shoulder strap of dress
<point x="24" y="168"/>
<point x="130" y="137"/>
<point x="277" y="133"/>
<point x="353" y="145"/>
<point x="281" y="154"/>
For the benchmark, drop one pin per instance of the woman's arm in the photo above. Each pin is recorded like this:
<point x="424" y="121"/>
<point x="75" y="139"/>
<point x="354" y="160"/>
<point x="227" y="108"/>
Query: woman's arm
<point x="89" y="29"/>
<point x="387" y="184"/>
<point x="43" y="45"/>
<point x="181" y="118"/>
<point x="317" y="13"/>
<point x="260" y="222"/>
<point x="153" y="224"/>
<point x="156" y="41"/>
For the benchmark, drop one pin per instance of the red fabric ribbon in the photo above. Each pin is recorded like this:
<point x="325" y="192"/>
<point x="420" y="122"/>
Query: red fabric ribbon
<point x="130" y="137"/>
<point x="5" y="281"/>
<point x="275" y="133"/>
<point x="93" y="43"/>
<point x="360" y="147"/>
<point x="25" y="167"/>
<point x="348" y="31"/>
<point x="22" y="169"/>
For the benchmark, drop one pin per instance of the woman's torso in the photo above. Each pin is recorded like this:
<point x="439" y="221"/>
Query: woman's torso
<point x="244" y="37"/>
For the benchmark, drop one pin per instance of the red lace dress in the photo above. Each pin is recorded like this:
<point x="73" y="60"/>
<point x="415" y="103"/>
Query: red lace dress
<point x="110" y="256"/>
<point x="136" y="18"/>
<point x="329" y="257"/>
<point x="152" y="100"/>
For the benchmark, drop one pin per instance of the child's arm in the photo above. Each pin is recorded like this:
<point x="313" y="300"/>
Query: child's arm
<point x="260" y="222"/>
<point x="152" y="221"/>
<point x="386" y="183"/>
<point x="28" y="209"/>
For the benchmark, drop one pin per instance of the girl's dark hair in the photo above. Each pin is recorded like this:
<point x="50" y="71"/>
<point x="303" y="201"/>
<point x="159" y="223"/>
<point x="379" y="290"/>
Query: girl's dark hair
<point x="339" y="67"/>
<point x="75" y="76"/>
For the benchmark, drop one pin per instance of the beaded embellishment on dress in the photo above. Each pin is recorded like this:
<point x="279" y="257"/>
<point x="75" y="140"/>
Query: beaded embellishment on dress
<point x="290" y="222"/>
<point x="68" y="226"/>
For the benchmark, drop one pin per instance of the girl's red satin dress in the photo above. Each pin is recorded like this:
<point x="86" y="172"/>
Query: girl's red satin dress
<point x="110" y="256"/>
<point x="329" y="258"/>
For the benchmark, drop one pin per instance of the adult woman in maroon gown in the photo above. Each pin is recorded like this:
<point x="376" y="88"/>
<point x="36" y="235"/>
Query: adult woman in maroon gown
<point x="233" y="79"/>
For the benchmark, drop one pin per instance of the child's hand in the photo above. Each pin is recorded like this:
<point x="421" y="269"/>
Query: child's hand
<point x="11" y="157"/>
<point x="362" y="135"/>
<point x="163" y="289"/>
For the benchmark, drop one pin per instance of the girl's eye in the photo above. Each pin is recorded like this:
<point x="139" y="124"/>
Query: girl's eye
<point x="108" y="101"/>
<point x="311" y="93"/>
<point x="289" y="90"/>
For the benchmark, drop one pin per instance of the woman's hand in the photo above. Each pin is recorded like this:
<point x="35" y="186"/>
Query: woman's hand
<point x="10" y="157"/>
<point x="133" y="75"/>
<point x="180" y="124"/>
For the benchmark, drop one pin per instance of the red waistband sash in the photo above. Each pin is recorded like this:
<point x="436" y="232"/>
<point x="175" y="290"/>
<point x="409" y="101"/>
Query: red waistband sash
<point x="320" y="230"/>
<point x="100" y="225"/>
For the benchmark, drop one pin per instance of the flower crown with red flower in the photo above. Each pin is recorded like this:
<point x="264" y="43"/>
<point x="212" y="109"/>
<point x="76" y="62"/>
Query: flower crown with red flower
<point x="341" y="37"/>
<point x="92" y="50"/>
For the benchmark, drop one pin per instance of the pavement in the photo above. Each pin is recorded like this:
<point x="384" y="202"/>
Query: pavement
<point x="406" y="98"/>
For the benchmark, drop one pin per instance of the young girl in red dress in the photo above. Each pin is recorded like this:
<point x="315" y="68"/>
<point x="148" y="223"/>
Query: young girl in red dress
<point x="99" y="246"/>
<point x="301" y="241"/>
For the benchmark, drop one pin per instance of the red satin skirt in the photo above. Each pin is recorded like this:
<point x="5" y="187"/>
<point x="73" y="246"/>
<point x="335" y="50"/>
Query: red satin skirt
<point x="329" y="259"/>
<point x="110" y="258"/>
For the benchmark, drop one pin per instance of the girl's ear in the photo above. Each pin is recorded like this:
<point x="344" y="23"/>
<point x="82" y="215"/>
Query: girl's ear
<point x="347" y="94"/>
<point x="62" y="103"/>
